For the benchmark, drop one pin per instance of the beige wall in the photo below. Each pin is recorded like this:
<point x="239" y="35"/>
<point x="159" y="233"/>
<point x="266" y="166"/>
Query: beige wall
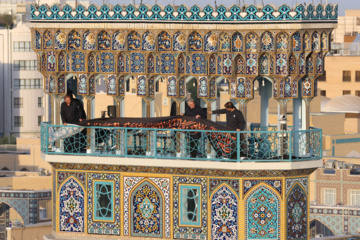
<point x="334" y="67"/>
<point x="32" y="161"/>
<point x="345" y="149"/>
<point x="30" y="183"/>
<point x="31" y="232"/>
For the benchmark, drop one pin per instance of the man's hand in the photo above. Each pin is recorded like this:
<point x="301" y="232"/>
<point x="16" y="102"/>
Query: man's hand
<point x="65" y="124"/>
<point x="210" y="112"/>
<point x="80" y="120"/>
<point x="238" y="129"/>
<point x="198" y="116"/>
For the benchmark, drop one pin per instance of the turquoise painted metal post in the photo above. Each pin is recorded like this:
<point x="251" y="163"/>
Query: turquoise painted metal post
<point x="126" y="142"/>
<point x="155" y="142"/>
<point x="238" y="144"/>
<point x="290" y="146"/>
<point x="47" y="139"/>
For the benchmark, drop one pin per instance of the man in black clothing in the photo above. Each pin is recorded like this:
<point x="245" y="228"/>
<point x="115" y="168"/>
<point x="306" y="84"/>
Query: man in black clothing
<point x="71" y="114"/>
<point x="194" y="111"/>
<point x="234" y="118"/>
<point x="79" y="103"/>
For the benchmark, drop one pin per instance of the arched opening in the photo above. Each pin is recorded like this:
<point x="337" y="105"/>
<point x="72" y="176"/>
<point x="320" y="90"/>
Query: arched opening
<point x="318" y="228"/>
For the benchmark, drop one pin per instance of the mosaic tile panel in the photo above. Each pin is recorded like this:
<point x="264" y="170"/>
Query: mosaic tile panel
<point x="282" y="42"/>
<point x="148" y="41"/>
<point x="179" y="42"/>
<point x="251" y="42"/>
<point x="319" y="63"/>
<point x="324" y="42"/>
<point x="129" y="184"/>
<point x="72" y="209"/>
<point x="181" y="64"/>
<point x="121" y="86"/>
<point x="203" y="87"/>
<point x="61" y="84"/>
<point x="89" y="41"/>
<point x="210" y="42"/>
<point x="20" y="205"/>
<point x="77" y="61"/>
<point x="167" y="63"/>
<point x="99" y="227"/>
<point x="48" y="40"/>
<point x="182" y="87"/>
<point x="92" y="85"/>
<point x="103" y="40"/>
<point x="297" y="214"/>
<point x="240" y="64"/>
<point x="184" y="171"/>
<point x="82" y="84"/>
<point x="232" y="183"/>
<point x="212" y="64"/>
<point x="281" y="64"/>
<point x="141" y="86"/>
<point x="296" y="42"/>
<point x="264" y="64"/>
<point x="240" y="87"/>
<point x="302" y="64"/>
<point x="292" y="64"/>
<point x="189" y="232"/>
<point x="224" y="217"/>
<point x="249" y="184"/>
<point x="310" y="64"/>
<point x="37" y="40"/>
<point x="133" y="41"/>
<point x="91" y="62"/>
<point x="237" y="42"/>
<point x="195" y="42"/>
<point x="267" y="42"/>
<point x="146" y="215"/>
<point x="43" y="65"/>
<point x="51" y="84"/>
<point x="227" y="64"/>
<point x="151" y="63"/>
<point x="251" y="64"/>
<point x="137" y="63"/>
<point x="198" y="64"/>
<point x="61" y="62"/>
<point x="306" y="42"/>
<point x="111" y="85"/>
<point x="224" y="42"/>
<point x="316" y="41"/>
<point x="212" y="88"/>
<point x="118" y="41"/>
<point x="262" y="214"/>
<point x="51" y="61"/>
<point x="164" y="42"/>
<point x="74" y="40"/>
<point x="171" y="87"/>
<point x="121" y="63"/>
<point x="291" y="181"/>
<point x="287" y="87"/>
<point x="107" y="62"/>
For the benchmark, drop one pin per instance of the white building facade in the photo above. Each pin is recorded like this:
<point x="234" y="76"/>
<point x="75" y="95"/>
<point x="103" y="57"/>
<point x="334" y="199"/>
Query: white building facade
<point x="23" y="104"/>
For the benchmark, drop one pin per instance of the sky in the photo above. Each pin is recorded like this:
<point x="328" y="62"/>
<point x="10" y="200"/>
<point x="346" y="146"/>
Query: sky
<point x="343" y="4"/>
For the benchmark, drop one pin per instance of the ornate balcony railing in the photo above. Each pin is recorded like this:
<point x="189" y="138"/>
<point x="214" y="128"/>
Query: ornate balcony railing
<point x="231" y="146"/>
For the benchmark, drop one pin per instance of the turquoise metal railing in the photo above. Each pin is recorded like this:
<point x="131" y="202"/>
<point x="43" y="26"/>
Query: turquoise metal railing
<point x="182" y="144"/>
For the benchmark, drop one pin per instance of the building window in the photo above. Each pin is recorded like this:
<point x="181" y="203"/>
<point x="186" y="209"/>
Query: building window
<point x="346" y="76"/>
<point x="346" y="92"/>
<point x="357" y="76"/>
<point x="18" y="102"/>
<point x="357" y="93"/>
<point x="329" y="171"/>
<point x="128" y="85"/>
<point x="157" y="87"/>
<point x="18" y="121"/>
<point x="323" y="93"/>
<point x="28" y="83"/>
<point x="329" y="196"/>
<point x="40" y="120"/>
<point x="104" y="199"/>
<point x="22" y="47"/>
<point x="190" y="205"/>
<point x="25" y="65"/>
<point x="44" y="210"/>
<point x="40" y="101"/>
<point x="354" y="197"/>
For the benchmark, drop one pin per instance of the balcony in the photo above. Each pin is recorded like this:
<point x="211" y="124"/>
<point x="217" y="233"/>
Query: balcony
<point x="263" y="145"/>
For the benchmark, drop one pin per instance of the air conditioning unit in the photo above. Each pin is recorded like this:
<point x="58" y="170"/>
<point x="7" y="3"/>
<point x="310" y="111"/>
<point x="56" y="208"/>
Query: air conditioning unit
<point x="349" y="166"/>
<point x="330" y="163"/>
<point x="339" y="165"/>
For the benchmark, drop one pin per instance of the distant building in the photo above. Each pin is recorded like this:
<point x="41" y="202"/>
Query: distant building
<point x="23" y="105"/>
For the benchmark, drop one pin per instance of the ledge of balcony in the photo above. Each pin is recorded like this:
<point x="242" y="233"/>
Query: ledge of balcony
<point x="179" y="163"/>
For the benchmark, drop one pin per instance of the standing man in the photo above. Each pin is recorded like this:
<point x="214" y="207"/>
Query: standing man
<point x="194" y="111"/>
<point x="71" y="114"/>
<point x="234" y="118"/>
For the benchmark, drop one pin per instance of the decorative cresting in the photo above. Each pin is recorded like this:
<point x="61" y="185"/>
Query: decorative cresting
<point x="183" y="13"/>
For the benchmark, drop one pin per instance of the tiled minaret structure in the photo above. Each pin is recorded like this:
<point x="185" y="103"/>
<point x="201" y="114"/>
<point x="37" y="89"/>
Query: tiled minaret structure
<point x="259" y="197"/>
